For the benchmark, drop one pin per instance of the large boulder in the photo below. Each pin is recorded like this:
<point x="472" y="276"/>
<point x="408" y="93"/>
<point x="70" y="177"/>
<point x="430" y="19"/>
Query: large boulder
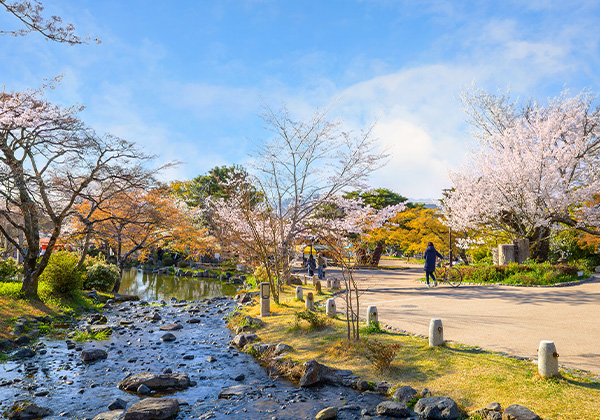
<point x="241" y="340"/>
<point x="437" y="408"/>
<point x="404" y="394"/>
<point x="393" y="409"/>
<point x="91" y="355"/>
<point x="163" y="382"/>
<point x="316" y="373"/>
<point x="518" y="412"/>
<point x="26" y="410"/>
<point x="153" y="409"/>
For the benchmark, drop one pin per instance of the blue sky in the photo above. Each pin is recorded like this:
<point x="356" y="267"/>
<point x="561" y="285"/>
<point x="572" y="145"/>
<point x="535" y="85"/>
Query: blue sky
<point x="185" y="79"/>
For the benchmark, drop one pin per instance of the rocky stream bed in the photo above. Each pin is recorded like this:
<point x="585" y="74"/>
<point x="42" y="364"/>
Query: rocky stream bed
<point x="167" y="342"/>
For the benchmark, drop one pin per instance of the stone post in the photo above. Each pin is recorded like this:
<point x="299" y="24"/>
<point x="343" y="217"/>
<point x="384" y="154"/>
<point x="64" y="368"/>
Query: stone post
<point x="328" y="283"/>
<point x="309" y="302"/>
<point x="335" y="283"/>
<point x="372" y="316"/>
<point x="265" y="302"/>
<point x="521" y="250"/>
<point x="299" y="293"/>
<point x="547" y="359"/>
<point x="506" y="254"/>
<point x="314" y="280"/>
<point x="330" y="310"/>
<point x="318" y="286"/>
<point x="436" y="332"/>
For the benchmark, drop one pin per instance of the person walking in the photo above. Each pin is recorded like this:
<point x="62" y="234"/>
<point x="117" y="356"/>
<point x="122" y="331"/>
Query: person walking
<point x="320" y="266"/>
<point x="312" y="265"/>
<point x="430" y="256"/>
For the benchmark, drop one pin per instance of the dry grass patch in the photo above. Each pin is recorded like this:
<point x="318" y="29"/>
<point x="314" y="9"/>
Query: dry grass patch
<point x="471" y="377"/>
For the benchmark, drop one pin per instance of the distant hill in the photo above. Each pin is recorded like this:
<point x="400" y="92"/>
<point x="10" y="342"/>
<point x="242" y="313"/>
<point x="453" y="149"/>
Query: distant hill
<point x="430" y="203"/>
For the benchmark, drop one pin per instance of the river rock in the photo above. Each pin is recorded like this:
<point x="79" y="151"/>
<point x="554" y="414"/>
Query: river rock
<point x="24" y="353"/>
<point x="404" y="394"/>
<point x="282" y="348"/>
<point x="100" y="328"/>
<point x="437" y="408"/>
<point x="94" y="319"/>
<point x="23" y="340"/>
<point x="235" y="391"/>
<point x="110" y="415"/>
<point x="161" y="382"/>
<point x="316" y="373"/>
<point x="153" y="409"/>
<point x="91" y="355"/>
<point x="393" y="409"/>
<point x="518" y="412"/>
<point x="118" y="404"/>
<point x="154" y="317"/>
<point x="26" y="410"/>
<point x="241" y="340"/>
<point x="168" y="337"/>
<point x="327" y="413"/>
<point x="170" y="327"/>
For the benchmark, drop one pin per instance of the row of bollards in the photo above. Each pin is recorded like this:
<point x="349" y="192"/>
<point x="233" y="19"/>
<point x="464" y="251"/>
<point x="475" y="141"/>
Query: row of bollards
<point x="547" y="355"/>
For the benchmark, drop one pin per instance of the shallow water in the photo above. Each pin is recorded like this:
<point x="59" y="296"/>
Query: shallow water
<point x="81" y="391"/>
<point x="154" y="287"/>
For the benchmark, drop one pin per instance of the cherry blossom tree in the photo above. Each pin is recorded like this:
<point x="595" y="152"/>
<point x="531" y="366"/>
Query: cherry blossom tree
<point x="347" y="223"/>
<point x="29" y="12"/>
<point x="534" y="166"/>
<point x="48" y="157"/>
<point x="303" y="165"/>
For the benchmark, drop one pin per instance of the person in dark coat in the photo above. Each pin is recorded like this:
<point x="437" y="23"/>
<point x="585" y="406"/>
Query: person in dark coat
<point x="430" y="256"/>
<point x="312" y="265"/>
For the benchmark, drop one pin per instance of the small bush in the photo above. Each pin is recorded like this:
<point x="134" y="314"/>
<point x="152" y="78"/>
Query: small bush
<point x="374" y="328"/>
<point x="9" y="270"/>
<point x="381" y="354"/>
<point x="315" y="320"/>
<point x="11" y="289"/>
<point x="62" y="275"/>
<point x="167" y="259"/>
<point x="101" y="277"/>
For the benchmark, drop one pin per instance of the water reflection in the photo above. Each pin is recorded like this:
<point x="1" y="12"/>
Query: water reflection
<point x="151" y="287"/>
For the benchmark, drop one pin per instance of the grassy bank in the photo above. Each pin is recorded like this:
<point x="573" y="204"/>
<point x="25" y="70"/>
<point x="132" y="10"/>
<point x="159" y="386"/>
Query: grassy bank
<point x="12" y="306"/>
<point x="471" y="377"/>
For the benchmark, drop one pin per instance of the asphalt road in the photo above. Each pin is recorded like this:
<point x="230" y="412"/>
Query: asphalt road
<point x="498" y="318"/>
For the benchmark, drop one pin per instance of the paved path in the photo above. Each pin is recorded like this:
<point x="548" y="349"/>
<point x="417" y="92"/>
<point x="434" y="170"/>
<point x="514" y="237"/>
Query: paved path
<point x="498" y="318"/>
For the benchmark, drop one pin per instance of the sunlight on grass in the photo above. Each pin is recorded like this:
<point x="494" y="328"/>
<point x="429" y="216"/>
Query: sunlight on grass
<point x="471" y="377"/>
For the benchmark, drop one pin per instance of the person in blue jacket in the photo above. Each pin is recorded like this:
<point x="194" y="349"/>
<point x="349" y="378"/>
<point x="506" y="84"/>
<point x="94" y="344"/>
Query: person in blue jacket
<point x="430" y="256"/>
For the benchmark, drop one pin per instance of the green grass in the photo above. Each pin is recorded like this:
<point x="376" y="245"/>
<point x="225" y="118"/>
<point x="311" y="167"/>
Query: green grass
<point x="91" y="336"/>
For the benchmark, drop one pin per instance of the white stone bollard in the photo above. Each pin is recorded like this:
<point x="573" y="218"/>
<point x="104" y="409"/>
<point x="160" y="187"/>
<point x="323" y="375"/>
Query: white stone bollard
<point x="305" y="279"/>
<point x="328" y="283"/>
<point x="309" y="302"/>
<point x="335" y="283"/>
<point x="372" y="318"/>
<point x="330" y="309"/>
<point x="436" y="333"/>
<point x="265" y="302"/>
<point x="547" y="359"/>
<point x="299" y="293"/>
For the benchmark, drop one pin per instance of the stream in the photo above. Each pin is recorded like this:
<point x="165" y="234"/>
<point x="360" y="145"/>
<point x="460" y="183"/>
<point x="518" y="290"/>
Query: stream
<point x="55" y="377"/>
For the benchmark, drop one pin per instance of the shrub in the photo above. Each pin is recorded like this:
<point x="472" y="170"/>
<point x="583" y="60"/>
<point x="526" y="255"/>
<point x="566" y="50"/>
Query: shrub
<point x="101" y="277"/>
<point x="62" y="275"/>
<point x="381" y="354"/>
<point x="315" y="320"/>
<point x="167" y="259"/>
<point x="9" y="270"/>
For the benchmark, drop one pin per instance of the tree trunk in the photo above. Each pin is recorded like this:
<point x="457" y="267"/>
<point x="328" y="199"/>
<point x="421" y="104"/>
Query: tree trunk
<point x="540" y="244"/>
<point x="377" y="253"/>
